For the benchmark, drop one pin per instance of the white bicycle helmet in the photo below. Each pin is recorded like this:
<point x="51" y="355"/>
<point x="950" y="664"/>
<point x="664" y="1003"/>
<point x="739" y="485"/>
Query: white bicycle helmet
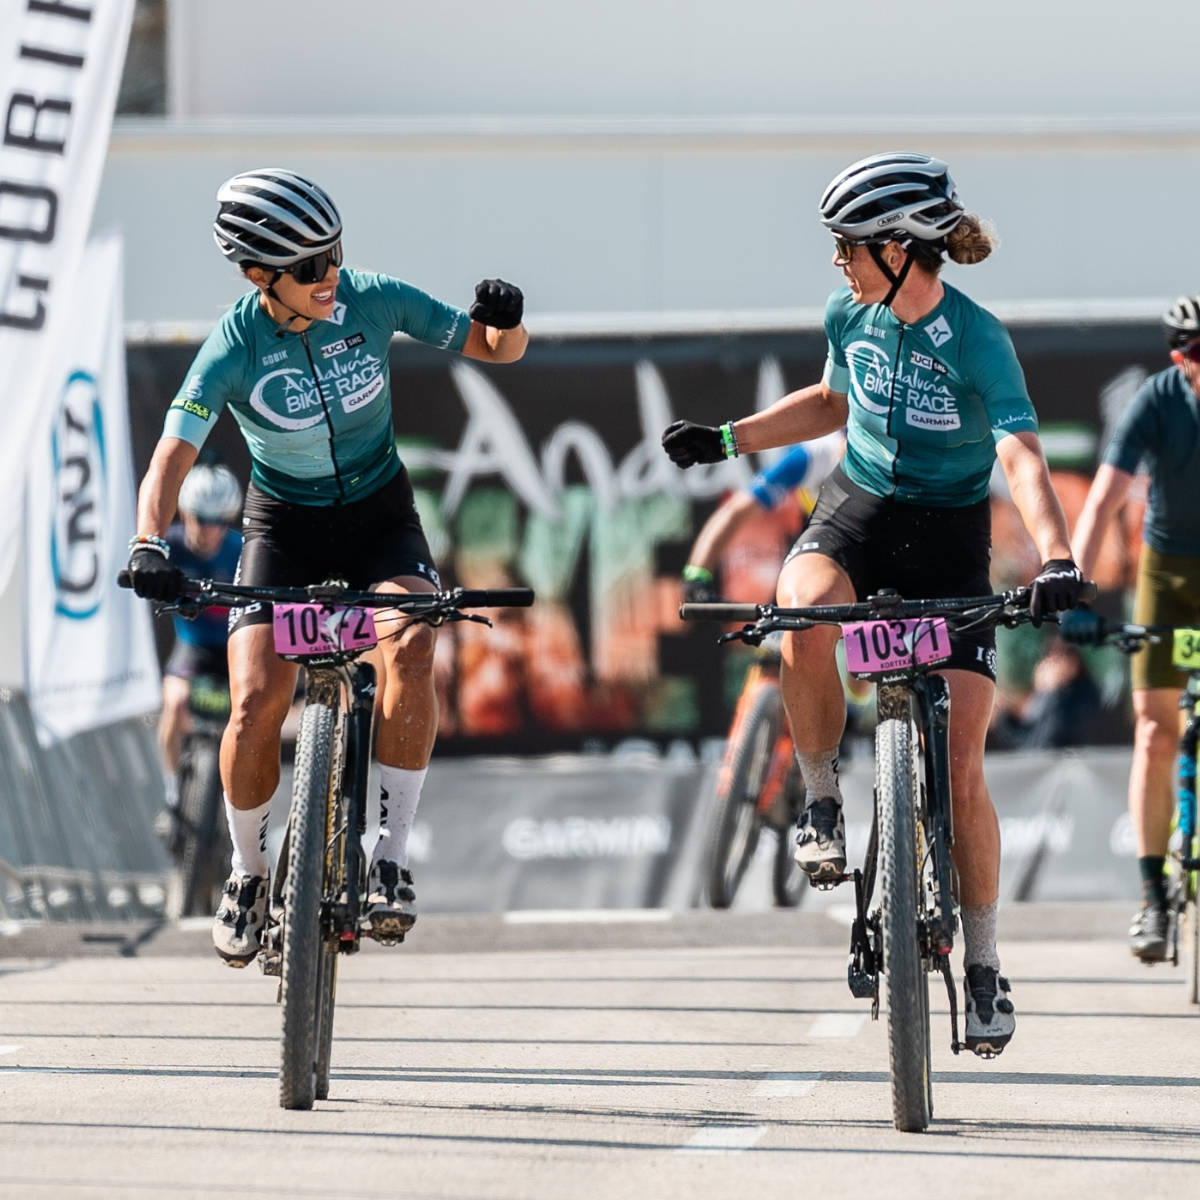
<point x="1182" y="321"/>
<point x="211" y="494"/>
<point x="274" y="217"/>
<point x="892" y="197"/>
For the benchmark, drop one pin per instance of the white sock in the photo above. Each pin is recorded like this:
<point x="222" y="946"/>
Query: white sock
<point x="979" y="936"/>
<point x="399" y="795"/>
<point x="820" y="771"/>
<point x="248" y="833"/>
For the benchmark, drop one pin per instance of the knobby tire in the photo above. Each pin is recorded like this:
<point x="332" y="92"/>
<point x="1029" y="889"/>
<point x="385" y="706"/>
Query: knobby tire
<point x="788" y="882"/>
<point x="900" y="882"/>
<point x="302" y="948"/>
<point x="736" y="821"/>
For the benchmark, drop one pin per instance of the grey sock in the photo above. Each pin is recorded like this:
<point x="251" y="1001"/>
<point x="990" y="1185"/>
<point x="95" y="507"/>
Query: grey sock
<point x="979" y="936"/>
<point x="820" y="771"/>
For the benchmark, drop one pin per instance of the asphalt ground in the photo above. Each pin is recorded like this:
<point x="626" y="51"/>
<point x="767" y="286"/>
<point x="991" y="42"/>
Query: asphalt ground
<point x="588" y="1055"/>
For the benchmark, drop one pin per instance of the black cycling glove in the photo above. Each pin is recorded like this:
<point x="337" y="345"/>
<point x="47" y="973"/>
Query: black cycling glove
<point x="153" y="577"/>
<point x="688" y="444"/>
<point x="1081" y="627"/>
<point x="498" y="304"/>
<point x="1057" y="586"/>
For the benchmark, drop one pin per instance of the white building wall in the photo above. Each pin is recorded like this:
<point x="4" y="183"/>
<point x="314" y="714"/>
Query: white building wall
<point x="659" y="156"/>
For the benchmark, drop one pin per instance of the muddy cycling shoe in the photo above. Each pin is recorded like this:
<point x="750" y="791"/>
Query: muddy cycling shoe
<point x="1148" y="934"/>
<point x="821" y="842"/>
<point x="237" y="929"/>
<point x="391" y="902"/>
<point x="990" y="1014"/>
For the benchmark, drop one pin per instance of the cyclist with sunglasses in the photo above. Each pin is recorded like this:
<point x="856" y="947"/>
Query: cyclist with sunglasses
<point x="301" y="362"/>
<point x="1161" y="430"/>
<point x="931" y="394"/>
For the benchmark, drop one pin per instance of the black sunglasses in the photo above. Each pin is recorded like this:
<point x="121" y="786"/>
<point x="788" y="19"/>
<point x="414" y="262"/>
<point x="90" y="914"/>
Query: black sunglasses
<point x="314" y="269"/>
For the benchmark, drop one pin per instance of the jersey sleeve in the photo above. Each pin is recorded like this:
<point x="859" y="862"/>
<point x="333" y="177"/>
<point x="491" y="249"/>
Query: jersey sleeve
<point x="836" y="375"/>
<point x="996" y="374"/>
<point x="1138" y="434"/>
<point x="212" y="379"/>
<point x="416" y="313"/>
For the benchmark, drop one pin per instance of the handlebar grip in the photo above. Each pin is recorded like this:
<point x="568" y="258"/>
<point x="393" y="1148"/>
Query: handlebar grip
<point x="495" y="598"/>
<point x="124" y="579"/>
<point x="719" y="612"/>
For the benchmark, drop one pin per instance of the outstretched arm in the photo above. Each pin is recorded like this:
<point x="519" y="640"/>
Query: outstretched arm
<point x="798" y="417"/>
<point x="159" y="492"/>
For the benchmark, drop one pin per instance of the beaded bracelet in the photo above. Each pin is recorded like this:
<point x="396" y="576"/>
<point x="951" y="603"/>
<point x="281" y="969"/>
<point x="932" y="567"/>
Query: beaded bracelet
<point x="150" y="541"/>
<point x="729" y="440"/>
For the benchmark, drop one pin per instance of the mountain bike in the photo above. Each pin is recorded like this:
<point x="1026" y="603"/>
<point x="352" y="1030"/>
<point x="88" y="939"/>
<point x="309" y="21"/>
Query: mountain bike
<point x="759" y="786"/>
<point x="906" y="931"/>
<point x="1183" y="857"/>
<point x="198" y="836"/>
<point x="317" y="887"/>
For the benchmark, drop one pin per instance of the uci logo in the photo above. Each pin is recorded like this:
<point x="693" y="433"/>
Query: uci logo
<point x="77" y="449"/>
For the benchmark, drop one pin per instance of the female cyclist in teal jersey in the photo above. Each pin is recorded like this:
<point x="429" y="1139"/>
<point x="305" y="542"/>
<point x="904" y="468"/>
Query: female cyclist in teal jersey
<point x="302" y="363"/>
<point x="931" y="394"/>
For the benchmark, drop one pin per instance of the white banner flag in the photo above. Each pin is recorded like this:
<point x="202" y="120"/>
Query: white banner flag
<point x="60" y="67"/>
<point x="90" y="654"/>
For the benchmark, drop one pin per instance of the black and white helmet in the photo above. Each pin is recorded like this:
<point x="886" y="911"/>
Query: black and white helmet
<point x="1182" y="321"/>
<point x="274" y="217"/>
<point x="211" y="493"/>
<point x="892" y="197"/>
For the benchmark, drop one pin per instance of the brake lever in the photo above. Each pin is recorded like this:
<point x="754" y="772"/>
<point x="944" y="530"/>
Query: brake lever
<point x="455" y="615"/>
<point x="750" y="634"/>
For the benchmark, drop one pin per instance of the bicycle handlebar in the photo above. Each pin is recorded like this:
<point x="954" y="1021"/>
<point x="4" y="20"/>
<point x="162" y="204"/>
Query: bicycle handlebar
<point x="213" y="591"/>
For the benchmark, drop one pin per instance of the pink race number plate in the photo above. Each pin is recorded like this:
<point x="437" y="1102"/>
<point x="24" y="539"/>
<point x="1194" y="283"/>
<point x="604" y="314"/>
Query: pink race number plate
<point x="315" y="629"/>
<point x="893" y="645"/>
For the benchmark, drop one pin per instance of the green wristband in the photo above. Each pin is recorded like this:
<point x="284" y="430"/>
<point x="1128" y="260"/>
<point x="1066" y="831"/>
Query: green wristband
<point x="729" y="440"/>
<point x="694" y="574"/>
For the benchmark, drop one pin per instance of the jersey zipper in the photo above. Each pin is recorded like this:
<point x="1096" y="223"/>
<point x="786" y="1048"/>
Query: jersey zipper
<point x="892" y="410"/>
<point x="337" y="473"/>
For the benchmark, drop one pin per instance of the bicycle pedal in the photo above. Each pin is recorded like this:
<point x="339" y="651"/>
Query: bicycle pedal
<point x="270" y="962"/>
<point x="825" y="883"/>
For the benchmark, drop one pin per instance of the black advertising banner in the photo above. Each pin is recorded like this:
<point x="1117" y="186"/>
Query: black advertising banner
<point x="548" y="473"/>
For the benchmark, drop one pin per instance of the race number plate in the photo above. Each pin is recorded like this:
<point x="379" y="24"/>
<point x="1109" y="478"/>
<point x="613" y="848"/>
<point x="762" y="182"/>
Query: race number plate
<point x="1185" y="652"/>
<point x="873" y="646"/>
<point x="315" y="629"/>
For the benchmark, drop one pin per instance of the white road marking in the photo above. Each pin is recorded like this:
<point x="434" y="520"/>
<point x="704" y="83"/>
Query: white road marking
<point x="9" y="1049"/>
<point x="785" y="1084"/>
<point x="837" y="1025"/>
<point x="722" y="1139"/>
<point x="566" y="916"/>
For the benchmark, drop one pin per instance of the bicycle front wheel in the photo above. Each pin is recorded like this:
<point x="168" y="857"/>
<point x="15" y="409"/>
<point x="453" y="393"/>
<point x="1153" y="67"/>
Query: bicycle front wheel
<point x="302" y="949"/>
<point x="736" y="820"/>
<point x="900" y="881"/>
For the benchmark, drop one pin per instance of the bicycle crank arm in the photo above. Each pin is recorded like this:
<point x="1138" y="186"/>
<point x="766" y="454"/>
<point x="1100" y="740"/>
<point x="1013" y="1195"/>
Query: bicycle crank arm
<point x="943" y="961"/>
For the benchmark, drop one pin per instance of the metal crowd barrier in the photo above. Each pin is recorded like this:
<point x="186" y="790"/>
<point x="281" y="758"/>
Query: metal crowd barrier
<point x="76" y="821"/>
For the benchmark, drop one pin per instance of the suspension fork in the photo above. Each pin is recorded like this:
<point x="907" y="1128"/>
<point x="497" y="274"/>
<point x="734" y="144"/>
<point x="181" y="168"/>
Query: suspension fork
<point x="360" y="683"/>
<point x="1190" y="700"/>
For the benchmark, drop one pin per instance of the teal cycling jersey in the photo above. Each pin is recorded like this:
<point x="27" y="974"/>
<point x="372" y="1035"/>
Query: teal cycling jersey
<point x="928" y="401"/>
<point x="315" y="408"/>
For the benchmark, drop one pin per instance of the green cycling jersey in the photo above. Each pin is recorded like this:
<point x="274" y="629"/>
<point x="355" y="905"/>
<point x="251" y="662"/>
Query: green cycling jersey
<point x="927" y="401"/>
<point x="315" y="407"/>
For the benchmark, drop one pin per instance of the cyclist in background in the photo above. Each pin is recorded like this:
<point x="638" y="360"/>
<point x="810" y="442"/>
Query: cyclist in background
<point x="801" y="470"/>
<point x="301" y="361"/>
<point x="1160" y="428"/>
<point x="931" y="394"/>
<point x="202" y="545"/>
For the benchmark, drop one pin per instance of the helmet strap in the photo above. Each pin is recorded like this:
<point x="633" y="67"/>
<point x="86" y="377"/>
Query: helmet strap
<point x="270" y="290"/>
<point x="896" y="280"/>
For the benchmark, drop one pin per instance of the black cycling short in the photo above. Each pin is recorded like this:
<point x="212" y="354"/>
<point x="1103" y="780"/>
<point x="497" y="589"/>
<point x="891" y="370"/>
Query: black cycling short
<point x="363" y="542"/>
<point x="190" y="661"/>
<point x="924" y="553"/>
